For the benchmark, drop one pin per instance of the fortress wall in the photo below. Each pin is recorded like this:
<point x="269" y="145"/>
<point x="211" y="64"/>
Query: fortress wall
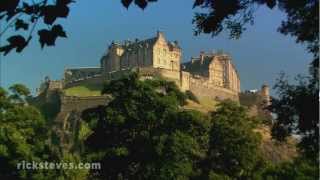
<point x="202" y="88"/>
<point x="81" y="73"/>
<point x="174" y="75"/>
<point x="72" y="103"/>
<point x="90" y="81"/>
<point x="53" y="85"/>
<point x="184" y="80"/>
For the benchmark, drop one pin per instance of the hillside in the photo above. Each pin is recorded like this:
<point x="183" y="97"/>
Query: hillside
<point x="204" y="105"/>
<point x="84" y="89"/>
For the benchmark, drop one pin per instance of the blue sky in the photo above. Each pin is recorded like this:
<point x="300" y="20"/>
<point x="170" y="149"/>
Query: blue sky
<point x="260" y="55"/>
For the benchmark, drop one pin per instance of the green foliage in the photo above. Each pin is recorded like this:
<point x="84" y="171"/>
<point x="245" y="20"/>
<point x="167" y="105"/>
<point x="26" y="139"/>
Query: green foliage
<point x="76" y="174"/>
<point x="297" y="112"/>
<point x="19" y="93"/>
<point x="233" y="144"/>
<point x="22" y="134"/>
<point x="192" y="97"/>
<point x="48" y="104"/>
<point x="296" y="170"/>
<point x="143" y="134"/>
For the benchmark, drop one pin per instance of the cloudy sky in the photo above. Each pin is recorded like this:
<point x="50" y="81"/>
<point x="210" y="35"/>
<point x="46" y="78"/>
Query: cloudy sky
<point x="260" y="55"/>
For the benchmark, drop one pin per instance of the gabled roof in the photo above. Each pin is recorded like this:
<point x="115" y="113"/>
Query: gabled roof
<point x="198" y="66"/>
<point x="147" y="42"/>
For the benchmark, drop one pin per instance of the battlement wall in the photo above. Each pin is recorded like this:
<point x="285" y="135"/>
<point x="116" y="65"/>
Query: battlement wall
<point x="76" y="74"/>
<point x="171" y="74"/>
<point x="73" y="103"/>
<point x="53" y="85"/>
<point x="98" y="80"/>
<point x="202" y="87"/>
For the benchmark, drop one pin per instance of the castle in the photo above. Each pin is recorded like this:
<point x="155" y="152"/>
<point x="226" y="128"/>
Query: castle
<point x="212" y="75"/>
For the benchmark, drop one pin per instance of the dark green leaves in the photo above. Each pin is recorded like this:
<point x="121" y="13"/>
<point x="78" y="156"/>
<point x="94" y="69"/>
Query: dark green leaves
<point x="271" y="3"/>
<point x="48" y="37"/>
<point x="52" y="12"/>
<point x="140" y="3"/>
<point x="17" y="42"/>
<point x="143" y="133"/>
<point x="21" y="24"/>
<point x="198" y="3"/>
<point x="8" y="6"/>
<point x="126" y="3"/>
<point x="24" y="15"/>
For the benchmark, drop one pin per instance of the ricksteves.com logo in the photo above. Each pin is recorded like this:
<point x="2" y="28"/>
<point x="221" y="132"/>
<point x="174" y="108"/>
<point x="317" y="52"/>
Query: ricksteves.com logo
<point x="56" y="165"/>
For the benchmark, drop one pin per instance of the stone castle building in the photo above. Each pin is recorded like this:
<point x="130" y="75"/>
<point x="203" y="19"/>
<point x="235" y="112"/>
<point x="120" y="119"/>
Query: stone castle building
<point x="155" y="52"/>
<point x="211" y="75"/>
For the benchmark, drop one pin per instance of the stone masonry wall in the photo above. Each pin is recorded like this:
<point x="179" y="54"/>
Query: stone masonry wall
<point x="202" y="87"/>
<point x="93" y="80"/>
<point x="73" y="103"/>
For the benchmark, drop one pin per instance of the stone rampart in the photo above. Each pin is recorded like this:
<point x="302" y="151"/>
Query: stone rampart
<point x="73" y="103"/>
<point x="98" y="80"/>
<point x="202" y="87"/>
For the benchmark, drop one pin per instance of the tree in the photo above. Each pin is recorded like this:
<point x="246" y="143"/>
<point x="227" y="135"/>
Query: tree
<point x="25" y="15"/>
<point x="144" y="134"/>
<point x="299" y="168"/>
<point x="233" y="145"/>
<point x="297" y="112"/>
<point x="22" y="134"/>
<point x="302" y="18"/>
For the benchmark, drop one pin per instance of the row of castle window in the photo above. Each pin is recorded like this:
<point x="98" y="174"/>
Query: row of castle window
<point x="165" y="62"/>
<point x="163" y="52"/>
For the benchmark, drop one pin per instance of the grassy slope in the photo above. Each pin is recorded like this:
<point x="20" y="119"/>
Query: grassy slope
<point x="205" y="105"/>
<point x="84" y="90"/>
<point x="81" y="91"/>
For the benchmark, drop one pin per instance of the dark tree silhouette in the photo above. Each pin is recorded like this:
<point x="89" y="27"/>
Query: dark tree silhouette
<point x="214" y="16"/>
<point x="25" y="15"/>
<point x="233" y="15"/>
<point x="297" y="110"/>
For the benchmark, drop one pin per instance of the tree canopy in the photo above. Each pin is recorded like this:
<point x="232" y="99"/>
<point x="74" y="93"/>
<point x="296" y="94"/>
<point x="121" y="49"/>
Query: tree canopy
<point x="22" y="133"/>
<point x="144" y="133"/>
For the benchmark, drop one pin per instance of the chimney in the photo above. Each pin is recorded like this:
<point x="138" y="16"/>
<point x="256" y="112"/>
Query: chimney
<point x="160" y="34"/>
<point x="201" y="57"/>
<point x="265" y="94"/>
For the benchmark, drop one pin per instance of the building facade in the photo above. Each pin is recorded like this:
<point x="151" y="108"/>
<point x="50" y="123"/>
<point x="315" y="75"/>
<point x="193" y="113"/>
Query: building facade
<point x="155" y="52"/>
<point x="210" y="74"/>
<point x="216" y="68"/>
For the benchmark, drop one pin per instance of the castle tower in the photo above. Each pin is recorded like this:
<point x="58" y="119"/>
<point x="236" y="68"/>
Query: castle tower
<point x="111" y="61"/>
<point x="265" y="94"/>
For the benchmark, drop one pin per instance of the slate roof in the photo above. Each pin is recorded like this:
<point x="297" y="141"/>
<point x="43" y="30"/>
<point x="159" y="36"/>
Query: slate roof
<point x="196" y="66"/>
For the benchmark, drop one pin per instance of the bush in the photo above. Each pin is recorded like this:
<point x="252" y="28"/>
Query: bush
<point x="192" y="97"/>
